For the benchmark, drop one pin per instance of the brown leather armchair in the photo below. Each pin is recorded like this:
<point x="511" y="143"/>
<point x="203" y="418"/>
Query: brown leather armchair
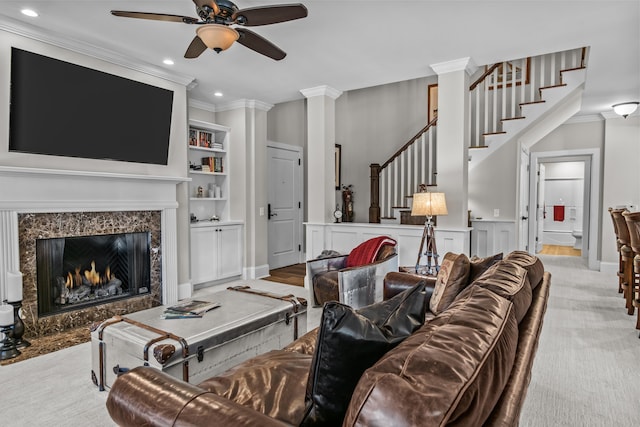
<point x="331" y="279"/>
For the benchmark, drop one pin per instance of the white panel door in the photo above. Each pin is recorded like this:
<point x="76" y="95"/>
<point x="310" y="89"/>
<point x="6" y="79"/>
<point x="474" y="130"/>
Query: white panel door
<point x="541" y="208"/>
<point x="284" y="207"/>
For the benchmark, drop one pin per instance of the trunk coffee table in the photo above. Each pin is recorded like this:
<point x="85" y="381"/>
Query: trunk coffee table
<point x="247" y="323"/>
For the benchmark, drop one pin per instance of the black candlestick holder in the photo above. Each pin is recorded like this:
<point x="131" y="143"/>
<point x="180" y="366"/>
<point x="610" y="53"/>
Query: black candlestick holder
<point x="18" y="326"/>
<point x="8" y="349"/>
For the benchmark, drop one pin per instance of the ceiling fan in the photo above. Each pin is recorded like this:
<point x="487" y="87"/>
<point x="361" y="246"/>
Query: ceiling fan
<point x="214" y="26"/>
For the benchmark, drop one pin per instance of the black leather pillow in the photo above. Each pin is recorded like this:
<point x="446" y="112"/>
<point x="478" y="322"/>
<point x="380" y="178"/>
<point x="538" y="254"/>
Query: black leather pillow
<point x="349" y="342"/>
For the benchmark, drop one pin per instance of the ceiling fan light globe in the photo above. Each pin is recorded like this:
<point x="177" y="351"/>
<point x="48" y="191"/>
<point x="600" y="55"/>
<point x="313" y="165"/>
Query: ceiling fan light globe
<point x="216" y="36"/>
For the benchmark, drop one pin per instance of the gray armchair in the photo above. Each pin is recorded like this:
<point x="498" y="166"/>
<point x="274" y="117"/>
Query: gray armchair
<point x="331" y="280"/>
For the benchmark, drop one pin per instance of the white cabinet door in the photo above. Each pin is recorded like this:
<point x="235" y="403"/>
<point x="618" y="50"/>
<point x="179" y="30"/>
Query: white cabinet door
<point x="229" y="251"/>
<point x="203" y="250"/>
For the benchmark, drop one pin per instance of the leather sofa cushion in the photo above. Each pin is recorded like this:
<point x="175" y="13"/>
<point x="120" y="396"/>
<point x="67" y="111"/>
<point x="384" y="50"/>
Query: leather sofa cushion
<point x="452" y="370"/>
<point x="510" y="281"/>
<point x="306" y="344"/>
<point x="480" y="265"/>
<point x="349" y="342"/>
<point x="531" y="263"/>
<point x="325" y="286"/>
<point x="451" y="279"/>
<point x="272" y="383"/>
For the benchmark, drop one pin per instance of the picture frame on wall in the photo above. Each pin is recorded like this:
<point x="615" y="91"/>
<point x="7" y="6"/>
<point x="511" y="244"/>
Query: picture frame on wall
<point x="338" y="160"/>
<point x="432" y="102"/>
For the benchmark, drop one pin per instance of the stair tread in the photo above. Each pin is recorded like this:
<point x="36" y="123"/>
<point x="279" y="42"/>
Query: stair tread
<point x="400" y="207"/>
<point x="573" y="69"/>
<point x="532" y="102"/>
<point x="552" y="86"/>
<point x="388" y="217"/>
<point x="513" y="118"/>
<point x="493" y="133"/>
<point x="479" y="146"/>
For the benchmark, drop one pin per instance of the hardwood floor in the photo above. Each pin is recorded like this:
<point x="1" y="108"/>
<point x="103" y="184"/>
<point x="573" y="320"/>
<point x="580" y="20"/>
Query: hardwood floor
<point x="291" y="275"/>
<point x="560" y="250"/>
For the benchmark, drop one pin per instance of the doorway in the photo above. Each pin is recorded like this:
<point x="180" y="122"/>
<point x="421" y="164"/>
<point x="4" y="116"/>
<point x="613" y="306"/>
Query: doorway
<point x="284" y="204"/>
<point x="566" y="217"/>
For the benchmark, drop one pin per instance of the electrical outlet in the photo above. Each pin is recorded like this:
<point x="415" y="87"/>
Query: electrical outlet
<point x="496" y="213"/>
<point x="261" y="210"/>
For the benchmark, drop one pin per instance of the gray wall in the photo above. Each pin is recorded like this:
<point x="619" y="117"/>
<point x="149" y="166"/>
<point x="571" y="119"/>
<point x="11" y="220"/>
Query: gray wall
<point x="371" y="124"/>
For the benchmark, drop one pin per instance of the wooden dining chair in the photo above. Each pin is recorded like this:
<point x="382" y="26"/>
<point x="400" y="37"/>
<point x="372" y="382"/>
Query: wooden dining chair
<point x="620" y="265"/>
<point x="633" y="225"/>
<point x="626" y="258"/>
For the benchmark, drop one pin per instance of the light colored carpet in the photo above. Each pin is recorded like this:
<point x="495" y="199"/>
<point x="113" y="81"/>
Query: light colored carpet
<point x="587" y="369"/>
<point x="586" y="372"/>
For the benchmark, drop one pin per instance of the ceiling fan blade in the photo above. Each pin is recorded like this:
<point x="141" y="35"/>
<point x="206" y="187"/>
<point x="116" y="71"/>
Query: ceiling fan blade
<point x="196" y="48"/>
<point x="259" y="44"/>
<point x="155" y="16"/>
<point x="264" y="15"/>
<point x="211" y="3"/>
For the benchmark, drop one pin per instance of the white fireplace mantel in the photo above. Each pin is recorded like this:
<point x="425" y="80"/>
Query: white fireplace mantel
<point x="32" y="190"/>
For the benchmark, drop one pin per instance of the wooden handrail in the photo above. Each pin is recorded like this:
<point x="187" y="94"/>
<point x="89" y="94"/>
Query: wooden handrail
<point x="408" y="144"/>
<point x="484" y="75"/>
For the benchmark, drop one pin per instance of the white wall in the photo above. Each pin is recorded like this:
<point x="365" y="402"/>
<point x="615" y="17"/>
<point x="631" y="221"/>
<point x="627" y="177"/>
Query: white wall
<point x="621" y="183"/>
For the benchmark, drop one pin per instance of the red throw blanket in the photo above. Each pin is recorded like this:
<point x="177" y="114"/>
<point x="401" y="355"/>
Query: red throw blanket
<point x="558" y="213"/>
<point x="367" y="251"/>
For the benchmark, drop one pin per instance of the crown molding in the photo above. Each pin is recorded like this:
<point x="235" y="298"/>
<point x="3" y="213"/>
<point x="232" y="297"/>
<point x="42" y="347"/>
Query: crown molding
<point x="584" y="119"/>
<point x="245" y="103"/>
<point x="463" y="64"/>
<point x="202" y="105"/>
<point x="321" y="91"/>
<point x="56" y="39"/>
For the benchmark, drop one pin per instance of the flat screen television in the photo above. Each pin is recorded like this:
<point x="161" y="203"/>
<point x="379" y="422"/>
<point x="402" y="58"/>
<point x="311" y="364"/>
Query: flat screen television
<point x="63" y="109"/>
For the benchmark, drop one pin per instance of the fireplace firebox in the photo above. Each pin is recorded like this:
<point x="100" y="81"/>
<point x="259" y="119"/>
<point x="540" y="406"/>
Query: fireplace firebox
<point x="77" y="272"/>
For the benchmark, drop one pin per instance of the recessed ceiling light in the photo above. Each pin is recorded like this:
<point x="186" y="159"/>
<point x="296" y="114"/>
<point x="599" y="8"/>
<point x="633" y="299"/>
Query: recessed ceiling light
<point x="29" y="12"/>
<point x="168" y="62"/>
<point x="218" y="94"/>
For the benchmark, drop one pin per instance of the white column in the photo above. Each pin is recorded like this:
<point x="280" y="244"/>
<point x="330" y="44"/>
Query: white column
<point x="453" y="139"/>
<point x="9" y="251"/>
<point x="169" y="247"/>
<point x="321" y="139"/>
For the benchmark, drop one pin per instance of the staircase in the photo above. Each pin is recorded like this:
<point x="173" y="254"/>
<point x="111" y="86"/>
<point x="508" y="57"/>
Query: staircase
<point x="505" y="102"/>
<point x="508" y="100"/>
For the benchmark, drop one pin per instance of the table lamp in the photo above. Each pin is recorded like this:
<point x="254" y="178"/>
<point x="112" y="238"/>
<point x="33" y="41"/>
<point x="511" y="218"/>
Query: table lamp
<point x="429" y="204"/>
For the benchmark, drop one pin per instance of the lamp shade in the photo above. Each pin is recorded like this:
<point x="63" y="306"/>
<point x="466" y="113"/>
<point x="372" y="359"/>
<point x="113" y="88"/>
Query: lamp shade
<point x="216" y="36"/>
<point x="429" y="204"/>
<point x="625" y="108"/>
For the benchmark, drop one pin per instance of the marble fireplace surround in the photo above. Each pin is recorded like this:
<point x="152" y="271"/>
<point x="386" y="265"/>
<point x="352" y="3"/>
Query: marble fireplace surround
<point x="55" y="203"/>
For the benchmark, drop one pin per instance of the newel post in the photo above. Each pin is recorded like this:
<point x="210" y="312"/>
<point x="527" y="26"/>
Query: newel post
<point x="374" y="208"/>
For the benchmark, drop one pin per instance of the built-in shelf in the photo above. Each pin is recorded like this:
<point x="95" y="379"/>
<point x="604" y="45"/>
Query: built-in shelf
<point x="208" y="173"/>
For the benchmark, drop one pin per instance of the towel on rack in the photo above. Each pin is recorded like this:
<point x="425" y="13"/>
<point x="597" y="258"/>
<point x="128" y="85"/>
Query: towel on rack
<point x="558" y="213"/>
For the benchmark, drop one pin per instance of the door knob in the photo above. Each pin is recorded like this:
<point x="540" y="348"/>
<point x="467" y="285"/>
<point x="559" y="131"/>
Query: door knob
<point x="269" y="213"/>
<point x="524" y="218"/>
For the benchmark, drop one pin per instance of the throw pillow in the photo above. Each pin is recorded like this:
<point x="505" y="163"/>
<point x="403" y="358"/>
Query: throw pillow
<point x="367" y="251"/>
<point x="480" y="265"/>
<point x="451" y="280"/>
<point x="349" y="342"/>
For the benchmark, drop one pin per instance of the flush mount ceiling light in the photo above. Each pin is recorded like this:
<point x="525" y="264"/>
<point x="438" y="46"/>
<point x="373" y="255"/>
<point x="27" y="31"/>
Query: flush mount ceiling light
<point x="168" y="62"/>
<point x="29" y="12"/>
<point x="625" y="108"/>
<point x="217" y="37"/>
<point x="218" y="94"/>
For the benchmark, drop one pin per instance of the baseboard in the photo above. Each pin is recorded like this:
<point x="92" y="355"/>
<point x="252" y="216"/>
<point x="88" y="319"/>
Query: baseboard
<point x="185" y="290"/>
<point x="256" y="272"/>
<point x="609" y="267"/>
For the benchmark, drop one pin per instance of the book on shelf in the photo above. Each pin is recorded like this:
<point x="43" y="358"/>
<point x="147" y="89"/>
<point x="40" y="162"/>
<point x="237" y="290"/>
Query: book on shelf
<point x="214" y="163"/>
<point x="193" y="137"/>
<point x="191" y="308"/>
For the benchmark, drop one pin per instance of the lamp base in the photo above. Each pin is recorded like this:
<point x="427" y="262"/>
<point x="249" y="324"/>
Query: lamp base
<point x="428" y="236"/>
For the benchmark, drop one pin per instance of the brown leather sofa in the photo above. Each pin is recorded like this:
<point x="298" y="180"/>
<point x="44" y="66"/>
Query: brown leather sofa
<point x="469" y="364"/>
